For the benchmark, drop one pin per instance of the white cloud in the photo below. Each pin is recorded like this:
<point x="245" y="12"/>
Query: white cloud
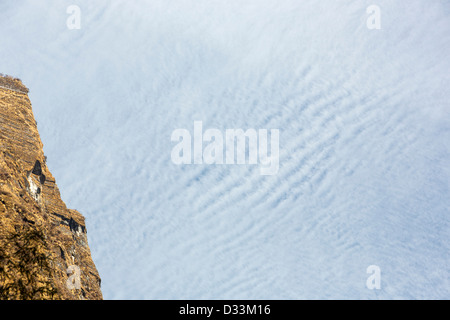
<point x="363" y="118"/>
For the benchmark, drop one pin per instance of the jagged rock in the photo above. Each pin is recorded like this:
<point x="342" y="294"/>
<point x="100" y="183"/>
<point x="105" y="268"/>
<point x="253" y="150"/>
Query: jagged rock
<point x="30" y="200"/>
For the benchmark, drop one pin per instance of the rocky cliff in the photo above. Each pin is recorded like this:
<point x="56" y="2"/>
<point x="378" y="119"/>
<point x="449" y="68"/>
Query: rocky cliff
<point x="44" y="253"/>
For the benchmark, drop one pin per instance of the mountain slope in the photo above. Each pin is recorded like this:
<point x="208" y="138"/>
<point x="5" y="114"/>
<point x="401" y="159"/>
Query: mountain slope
<point x="43" y="243"/>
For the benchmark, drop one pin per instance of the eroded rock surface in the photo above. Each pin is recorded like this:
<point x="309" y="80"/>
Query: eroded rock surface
<point x="30" y="200"/>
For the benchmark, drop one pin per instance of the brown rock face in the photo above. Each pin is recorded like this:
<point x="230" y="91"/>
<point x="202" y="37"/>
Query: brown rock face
<point x="44" y="253"/>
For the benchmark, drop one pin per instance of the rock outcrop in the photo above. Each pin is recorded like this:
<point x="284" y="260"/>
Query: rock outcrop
<point x="44" y="253"/>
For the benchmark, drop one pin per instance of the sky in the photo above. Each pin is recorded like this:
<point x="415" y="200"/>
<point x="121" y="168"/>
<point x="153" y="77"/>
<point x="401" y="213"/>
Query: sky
<point x="364" y="142"/>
